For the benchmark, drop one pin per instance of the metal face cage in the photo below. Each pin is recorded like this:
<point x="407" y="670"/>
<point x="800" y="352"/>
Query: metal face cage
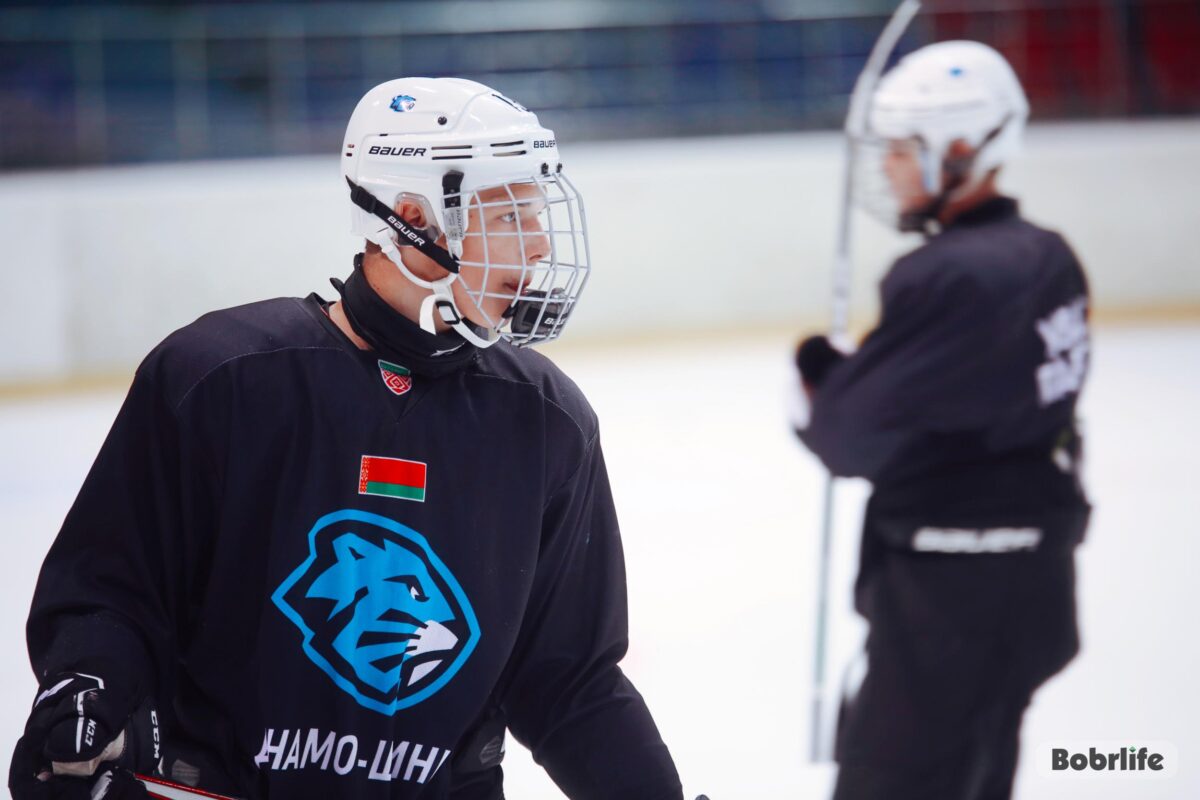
<point x="525" y="257"/>
<point x="879" y="189"/>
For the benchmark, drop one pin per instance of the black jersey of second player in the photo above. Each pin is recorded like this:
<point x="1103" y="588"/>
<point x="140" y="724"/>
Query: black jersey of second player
<point x="960" y="405"/>
<point x="333" y="570"/>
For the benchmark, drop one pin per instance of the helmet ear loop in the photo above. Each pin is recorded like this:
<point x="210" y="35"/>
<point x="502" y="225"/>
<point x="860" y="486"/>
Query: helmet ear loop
<point x="431" y="231"/>
<point x="441" y="296"/>
<point x="387" y="244"/>
<point x="943" y="179"/>
<point x="921" y="220"/>
<point x="957" y="170"/>
<point x="442" y="299"/>
<point x="439" y="289"/>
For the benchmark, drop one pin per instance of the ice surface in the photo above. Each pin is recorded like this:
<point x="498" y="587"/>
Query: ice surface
<point x="720" y="510"/>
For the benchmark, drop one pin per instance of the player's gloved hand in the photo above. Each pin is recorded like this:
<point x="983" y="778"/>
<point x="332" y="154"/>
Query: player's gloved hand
<point x="83" y="741"/>
<point x="815" y="356"/>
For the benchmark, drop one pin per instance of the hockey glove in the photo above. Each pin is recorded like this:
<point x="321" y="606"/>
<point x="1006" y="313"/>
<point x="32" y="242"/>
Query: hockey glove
<point x="815" y="356"/>
<point x="84" y="741"/>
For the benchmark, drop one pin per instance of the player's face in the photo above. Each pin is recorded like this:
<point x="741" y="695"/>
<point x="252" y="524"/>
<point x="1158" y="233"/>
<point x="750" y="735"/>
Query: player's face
<point x="505" y="233"/>
<point x="902" y="165"/>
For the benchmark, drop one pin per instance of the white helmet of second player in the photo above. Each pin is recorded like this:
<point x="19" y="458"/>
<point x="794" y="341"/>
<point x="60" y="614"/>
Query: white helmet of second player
<point x="456" y="148"/>
<point x="937" y="95"/>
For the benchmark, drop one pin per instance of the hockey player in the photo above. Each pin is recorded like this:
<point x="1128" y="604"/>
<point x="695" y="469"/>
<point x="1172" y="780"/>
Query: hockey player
<point x="335" y="549"/>
<point x="959" y="407"/>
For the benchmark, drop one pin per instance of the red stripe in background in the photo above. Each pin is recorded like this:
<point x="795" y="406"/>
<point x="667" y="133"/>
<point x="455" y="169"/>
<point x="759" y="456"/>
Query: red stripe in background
<point x="394" y="470"/>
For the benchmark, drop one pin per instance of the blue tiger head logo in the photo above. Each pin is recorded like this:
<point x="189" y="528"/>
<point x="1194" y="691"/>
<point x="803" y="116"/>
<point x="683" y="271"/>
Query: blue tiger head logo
<point x="380" y="613"/>
<point x="402" y="103"/>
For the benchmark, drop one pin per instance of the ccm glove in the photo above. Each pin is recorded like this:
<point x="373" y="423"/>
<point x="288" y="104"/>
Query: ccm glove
<point x="83" y="741"/>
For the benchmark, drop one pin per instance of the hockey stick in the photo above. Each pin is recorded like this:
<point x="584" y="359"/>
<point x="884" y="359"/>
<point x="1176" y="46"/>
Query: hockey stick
<point x="166" y="790"/>
<point x="856" y="120"/>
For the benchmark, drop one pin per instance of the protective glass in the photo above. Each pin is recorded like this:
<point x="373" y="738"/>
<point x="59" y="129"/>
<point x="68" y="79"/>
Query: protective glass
<point x="525" y="256"/>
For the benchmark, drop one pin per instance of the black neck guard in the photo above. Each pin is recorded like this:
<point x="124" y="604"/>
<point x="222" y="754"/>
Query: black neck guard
<point x="396" y="337"/>
<point x="990" y="210"/>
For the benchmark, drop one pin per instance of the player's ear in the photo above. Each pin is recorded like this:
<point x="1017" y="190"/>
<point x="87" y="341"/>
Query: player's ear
<point x="411" y="212"/>
<point x="960" y="150"/>
<point x="957" y="162"/>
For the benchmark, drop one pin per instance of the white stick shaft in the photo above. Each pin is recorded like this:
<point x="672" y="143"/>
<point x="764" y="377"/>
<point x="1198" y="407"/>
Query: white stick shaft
<point x="856" y="123"/>
<point x="821" y="746"/>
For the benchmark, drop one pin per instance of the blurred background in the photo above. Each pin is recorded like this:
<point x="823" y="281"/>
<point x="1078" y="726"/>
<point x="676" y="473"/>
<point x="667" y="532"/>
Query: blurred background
<point x="112" y="82"/>
<point x="162" y="159"/>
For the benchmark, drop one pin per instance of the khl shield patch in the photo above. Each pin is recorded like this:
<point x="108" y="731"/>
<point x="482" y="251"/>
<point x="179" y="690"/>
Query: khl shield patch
<point x="381" y="615"/>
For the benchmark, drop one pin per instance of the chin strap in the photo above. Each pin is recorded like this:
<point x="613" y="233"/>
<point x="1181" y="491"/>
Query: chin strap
<point x="407" y="234"/>
<point x="442" y="300"/>
<point x="441" y="297"/>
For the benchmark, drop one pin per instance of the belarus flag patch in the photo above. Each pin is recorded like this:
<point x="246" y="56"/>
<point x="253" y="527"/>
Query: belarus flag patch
<point x="396" y="378"/>
<point x="392" y="477"/>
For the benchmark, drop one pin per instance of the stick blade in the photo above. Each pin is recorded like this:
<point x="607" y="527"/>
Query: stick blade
<point x="166" y="790"/>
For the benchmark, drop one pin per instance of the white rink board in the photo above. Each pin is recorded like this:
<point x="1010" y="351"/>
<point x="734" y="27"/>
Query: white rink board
<point x="690" y="234"/>
<point x="719" y="511"/>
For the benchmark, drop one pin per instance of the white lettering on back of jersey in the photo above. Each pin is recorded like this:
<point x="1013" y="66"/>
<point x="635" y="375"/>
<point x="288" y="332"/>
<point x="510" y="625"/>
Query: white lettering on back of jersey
<point x="1065" y="332"/>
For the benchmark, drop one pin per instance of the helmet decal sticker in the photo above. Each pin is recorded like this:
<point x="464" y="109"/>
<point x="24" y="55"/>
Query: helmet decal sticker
<point x="403" y="102"/>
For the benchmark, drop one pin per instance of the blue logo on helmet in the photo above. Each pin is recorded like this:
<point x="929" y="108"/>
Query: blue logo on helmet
<point x="381" y="614"/>
<point x="403" y="102"/>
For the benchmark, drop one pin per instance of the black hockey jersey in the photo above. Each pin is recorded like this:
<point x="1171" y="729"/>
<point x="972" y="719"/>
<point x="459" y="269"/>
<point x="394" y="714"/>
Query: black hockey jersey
<point x="331" y="571"/>
<point x="960" y="405"/>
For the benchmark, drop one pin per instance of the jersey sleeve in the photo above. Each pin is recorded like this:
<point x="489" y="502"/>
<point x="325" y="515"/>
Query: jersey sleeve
<point x="568" y="700"/>
<point x="107" y="599"/>
<point x="934" y="365"/>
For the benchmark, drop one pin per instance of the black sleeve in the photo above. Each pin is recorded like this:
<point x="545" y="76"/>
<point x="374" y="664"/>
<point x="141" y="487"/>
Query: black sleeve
<point x="931" y="366"/>
<point x="105" y="602"/>
<point x="568" y="701"/>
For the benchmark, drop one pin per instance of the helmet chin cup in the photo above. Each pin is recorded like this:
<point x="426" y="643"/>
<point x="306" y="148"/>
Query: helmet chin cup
<point x="538" y="309"/>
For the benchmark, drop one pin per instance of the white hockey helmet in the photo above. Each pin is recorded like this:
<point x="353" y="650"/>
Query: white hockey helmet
<point x="940" y="94"/>
<point x="457" y="147"/>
